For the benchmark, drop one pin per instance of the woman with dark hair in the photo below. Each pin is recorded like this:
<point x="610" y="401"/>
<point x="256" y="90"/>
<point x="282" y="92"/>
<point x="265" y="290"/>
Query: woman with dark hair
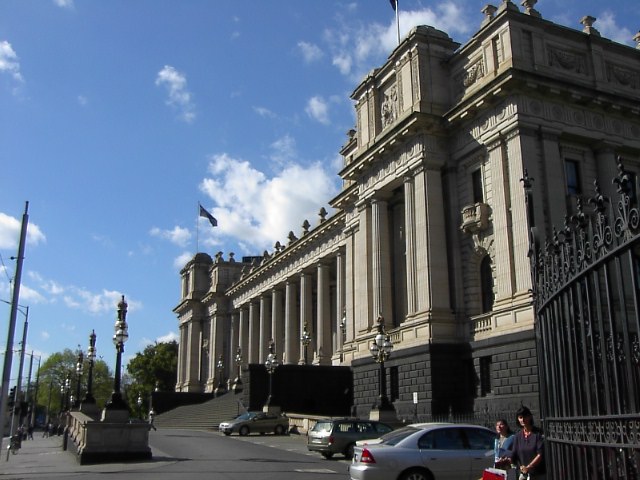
<point x="527" y="449"/>
<point x="503" y="442"/>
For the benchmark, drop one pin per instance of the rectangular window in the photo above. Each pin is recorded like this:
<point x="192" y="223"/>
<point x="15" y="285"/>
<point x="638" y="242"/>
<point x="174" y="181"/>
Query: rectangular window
<point x="485" y="376"/>
<point x="572" y="174"/>
<point x="476" y="183"/>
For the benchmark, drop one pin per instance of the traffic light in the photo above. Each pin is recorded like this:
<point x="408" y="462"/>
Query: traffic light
<point x="12" y="397"/>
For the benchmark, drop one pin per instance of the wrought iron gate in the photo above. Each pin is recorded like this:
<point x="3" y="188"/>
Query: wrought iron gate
<point x="587" y="302"/>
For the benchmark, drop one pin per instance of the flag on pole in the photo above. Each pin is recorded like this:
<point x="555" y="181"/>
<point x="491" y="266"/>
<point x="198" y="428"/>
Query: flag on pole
<point x="208" y="216"/>
<point x="394" y="4"/>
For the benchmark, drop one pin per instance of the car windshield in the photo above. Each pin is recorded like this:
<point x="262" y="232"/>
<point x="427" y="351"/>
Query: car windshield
<point x="322" y="427"/>
<point x="245" y="416"/>
<point x="396" y="436"/>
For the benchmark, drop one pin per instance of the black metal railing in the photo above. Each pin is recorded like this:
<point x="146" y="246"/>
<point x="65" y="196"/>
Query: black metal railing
<point x="586" y="291"/>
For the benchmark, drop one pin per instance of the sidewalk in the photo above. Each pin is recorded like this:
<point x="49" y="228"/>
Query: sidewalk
<point x="43" y="458"/>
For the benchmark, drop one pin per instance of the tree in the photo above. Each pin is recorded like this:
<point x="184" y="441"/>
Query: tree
<point x="155" y="367"/>
<point x="62" y="365"/>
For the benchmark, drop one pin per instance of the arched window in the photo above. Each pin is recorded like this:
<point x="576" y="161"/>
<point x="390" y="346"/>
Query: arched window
<point x="486" y="284"/>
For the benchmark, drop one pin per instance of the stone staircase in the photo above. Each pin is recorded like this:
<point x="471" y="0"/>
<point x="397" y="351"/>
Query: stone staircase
<point x="202" y="416"/>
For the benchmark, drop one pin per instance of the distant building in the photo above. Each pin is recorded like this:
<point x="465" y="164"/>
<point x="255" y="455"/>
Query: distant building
<point x="431" y="229"/>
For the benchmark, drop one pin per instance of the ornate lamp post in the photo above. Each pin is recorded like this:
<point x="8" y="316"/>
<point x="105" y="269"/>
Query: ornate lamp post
<point x="305" y="339"/>
<point x="119" y="338"/>
<point x="380" y="349"/>
<point x="139" y="403"/>
<point x="220" y="388"/>
<point x="271" y="364"/>
<point x="237" y="383"/>
<point x="91" y="356"/>
<point x="76" y="403"/>
<point x="67" y="389"/>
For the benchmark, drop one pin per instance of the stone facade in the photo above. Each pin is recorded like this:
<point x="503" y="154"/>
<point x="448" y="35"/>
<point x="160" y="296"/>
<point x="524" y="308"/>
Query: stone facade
<point x="431" y="230"/>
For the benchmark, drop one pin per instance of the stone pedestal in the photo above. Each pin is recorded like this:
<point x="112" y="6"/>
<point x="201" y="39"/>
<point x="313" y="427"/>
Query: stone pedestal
<point x="108" y="440"/>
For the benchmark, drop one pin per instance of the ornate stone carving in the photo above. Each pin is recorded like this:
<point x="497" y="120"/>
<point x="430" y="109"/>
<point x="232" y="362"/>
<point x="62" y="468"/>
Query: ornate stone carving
<point x="474" y="73"/>
<point x="567" y="60"/>
<point x="623" y="76"/>
<point x="389" y="106"/>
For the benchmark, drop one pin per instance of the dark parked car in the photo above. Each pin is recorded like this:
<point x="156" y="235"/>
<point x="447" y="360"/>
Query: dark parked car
<point x="256" y="422"/>
<point x="340" y="435"/>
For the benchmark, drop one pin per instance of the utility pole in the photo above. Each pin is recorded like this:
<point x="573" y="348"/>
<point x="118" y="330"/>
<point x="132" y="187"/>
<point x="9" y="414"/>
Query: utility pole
<point x="8" y="357"/>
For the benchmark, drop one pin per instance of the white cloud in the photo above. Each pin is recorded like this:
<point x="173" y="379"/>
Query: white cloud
<point x="10" y="233"/>
<point x="608" y="27"/>
<point x="256" y="210"/>
<point x="63" y="3"/>
<point x="179" y="96"/>
<point x="180" y="261"/>
<point x="318" y="109"/>
<point x="356" y="47"/>
<point x="169" y="337"/>
<point x="310" y="52"/>
<point x="284" y="150"/>
<point x="264" y="112"/>
<point x="9" y="63"/>
<point x="178" y="235"/>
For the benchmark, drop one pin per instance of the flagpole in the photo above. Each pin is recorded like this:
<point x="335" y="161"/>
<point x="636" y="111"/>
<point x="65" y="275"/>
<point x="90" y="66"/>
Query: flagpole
<point x="397" y="22"/>
<point x="198" y="229"/>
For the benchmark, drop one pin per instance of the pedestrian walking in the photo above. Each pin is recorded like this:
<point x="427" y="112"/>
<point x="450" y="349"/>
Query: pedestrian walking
<point x="527" y="451"/>
<point x="152" y="415"/>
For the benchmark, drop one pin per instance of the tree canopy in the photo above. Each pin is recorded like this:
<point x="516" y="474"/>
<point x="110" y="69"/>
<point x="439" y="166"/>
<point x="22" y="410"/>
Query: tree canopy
<point x="58" y="367"/>
<point x="156" y="367"/>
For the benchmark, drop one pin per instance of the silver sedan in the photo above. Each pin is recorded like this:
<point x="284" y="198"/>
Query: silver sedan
<point x="426" y="451"/>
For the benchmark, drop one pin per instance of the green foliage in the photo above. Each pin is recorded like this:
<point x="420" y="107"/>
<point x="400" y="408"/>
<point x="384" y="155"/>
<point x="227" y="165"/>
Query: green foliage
<point x="62" y="365"/>
<point x="155" y="367"/>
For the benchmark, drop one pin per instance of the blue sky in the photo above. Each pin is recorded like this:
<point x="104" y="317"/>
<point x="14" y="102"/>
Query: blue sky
<point x="119" y="116"/>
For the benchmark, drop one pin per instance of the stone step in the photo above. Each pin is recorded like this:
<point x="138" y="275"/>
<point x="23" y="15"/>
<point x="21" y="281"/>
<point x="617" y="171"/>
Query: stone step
<point x="206" y="415"/>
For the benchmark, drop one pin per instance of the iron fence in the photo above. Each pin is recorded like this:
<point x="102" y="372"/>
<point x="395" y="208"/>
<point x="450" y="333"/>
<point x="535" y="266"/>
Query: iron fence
<point x="586" y="294"/>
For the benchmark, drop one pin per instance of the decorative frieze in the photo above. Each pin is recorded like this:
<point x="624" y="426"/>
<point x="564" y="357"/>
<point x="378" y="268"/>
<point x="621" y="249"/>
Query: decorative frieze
<point x="389" y="106"/>
<point x="623" y="76"/>
<point x="566" y="60"/>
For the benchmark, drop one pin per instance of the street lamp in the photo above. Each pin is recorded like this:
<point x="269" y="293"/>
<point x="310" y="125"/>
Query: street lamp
<point x="220" y="388"/>
<point x="119" y="338"/>
<point x="67" y="389"/>
<point x="237" y="383"/>
<point x="305" y="339"/>
<point x="380" y="349"/>
<point x="79" y="366"/>
<point x="91" y="356"/>
<point x="271" y="364"/>
<point x="139" y="403"/>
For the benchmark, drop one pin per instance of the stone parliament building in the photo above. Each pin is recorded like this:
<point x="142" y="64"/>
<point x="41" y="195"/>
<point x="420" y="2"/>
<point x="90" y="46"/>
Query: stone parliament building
<point x="431" y="229"/>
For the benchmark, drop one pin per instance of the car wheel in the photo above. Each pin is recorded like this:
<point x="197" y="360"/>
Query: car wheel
<point x="227" y="433"/>
<point x="416" y="474"/>
<point x="279" y="430"/>
<point x="327" y="455"/>
<point x="244" y="430"/>
<point x="348" y="452"/>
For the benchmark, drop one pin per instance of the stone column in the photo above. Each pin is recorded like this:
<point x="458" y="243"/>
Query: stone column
<point x="380" y="261"/>
<point x="194" y="342"/>
<point x="182" y="351"/>
<point x="323" y="309"/>
<point x="265" y="326"/>
<point x="410" y="240"/>
<point x="432" y="271"/>
<point x="291" y="324"/>
<point x="253" y="355"/>
<point x="340" y="299"/>
<point x="499" y="164"/>
<point x="230" y="359"/>
<point x="243" y="333"/>
<point x="607" y="170"/>
<point x="306" y="314"/>
<point x="362" y="276"/>
<point x="277" y="321"/>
